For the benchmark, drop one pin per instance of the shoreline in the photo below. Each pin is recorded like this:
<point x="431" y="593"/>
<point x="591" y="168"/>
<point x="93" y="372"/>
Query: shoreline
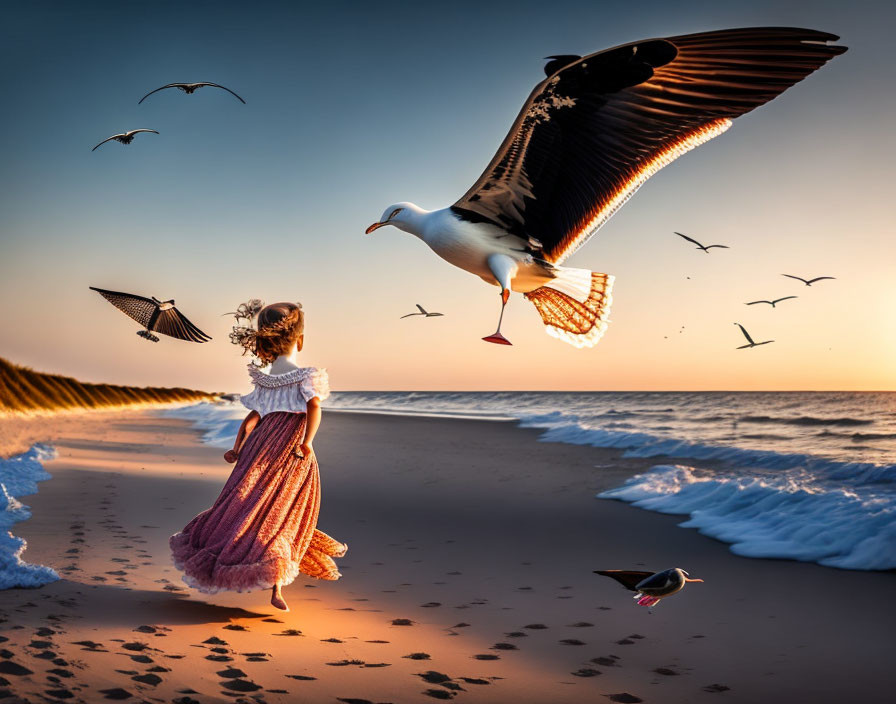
<point x="449" y="521"/>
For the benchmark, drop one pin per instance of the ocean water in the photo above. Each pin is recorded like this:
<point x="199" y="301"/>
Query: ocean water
<point x="793" y="475"/>
<point x="19" y="476"/>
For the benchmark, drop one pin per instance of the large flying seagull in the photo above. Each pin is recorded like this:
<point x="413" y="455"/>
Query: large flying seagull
<point x="587" y="138"/>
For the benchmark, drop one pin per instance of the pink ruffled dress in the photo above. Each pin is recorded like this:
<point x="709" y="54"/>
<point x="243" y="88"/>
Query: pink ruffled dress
<point x="262" y="530"/>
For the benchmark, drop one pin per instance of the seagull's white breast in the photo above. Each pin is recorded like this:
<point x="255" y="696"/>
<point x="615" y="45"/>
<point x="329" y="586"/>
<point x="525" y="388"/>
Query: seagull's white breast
<point x="468" y="245"/>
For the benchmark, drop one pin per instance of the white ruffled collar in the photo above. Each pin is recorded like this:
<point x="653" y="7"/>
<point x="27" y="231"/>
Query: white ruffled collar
<point x="273" y="381"/>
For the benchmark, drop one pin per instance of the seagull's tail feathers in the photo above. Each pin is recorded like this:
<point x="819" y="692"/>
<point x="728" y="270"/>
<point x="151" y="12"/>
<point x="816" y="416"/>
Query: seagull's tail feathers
<point x="575" y="306"/>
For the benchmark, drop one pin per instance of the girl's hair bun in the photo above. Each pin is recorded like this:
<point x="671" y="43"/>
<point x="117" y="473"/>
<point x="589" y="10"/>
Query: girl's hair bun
<point x="278" y="327"/>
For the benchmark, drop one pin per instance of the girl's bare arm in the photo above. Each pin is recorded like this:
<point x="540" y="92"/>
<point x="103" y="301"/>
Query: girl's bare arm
<point x="246" y="428"/>
<point x="312" y="423"/>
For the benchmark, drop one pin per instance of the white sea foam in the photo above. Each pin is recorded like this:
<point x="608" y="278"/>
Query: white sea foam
<point x="19" y="476"/>
<point x="786" y="475"/>
<point x="794" y="515"/>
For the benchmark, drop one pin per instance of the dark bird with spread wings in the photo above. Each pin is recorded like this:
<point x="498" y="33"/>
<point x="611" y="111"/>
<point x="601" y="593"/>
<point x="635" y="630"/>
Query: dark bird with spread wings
<point x="700" y="246"/>
<point x="808" y="282"/>
<point x="190" y="88"/>
<point x="587" y="138"/>
<point x="422" y="312"/>
<point x="124" y="137"/>
<point x="650" y="586"/>
<point x="750" y="342"/>
<point x="154" y="315"/>
<point x="771" y="303"/>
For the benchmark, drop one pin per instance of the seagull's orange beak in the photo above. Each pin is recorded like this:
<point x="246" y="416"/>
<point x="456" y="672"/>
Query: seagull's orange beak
<point x="375" y="226"/>
<point x="686" y="579"/>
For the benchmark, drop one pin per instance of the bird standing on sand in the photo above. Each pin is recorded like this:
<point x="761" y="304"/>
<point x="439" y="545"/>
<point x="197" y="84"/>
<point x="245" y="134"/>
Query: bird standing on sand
<point x="651" y="587"/>
<point x="700" y="246"/>
<point x="771" y="303"/>
<point x="750" y="342"/>
<point x="587" y="138"/>
<point x="190" y="88"/>
<point x="808" y="282"/>
<point x="124" y="137"/>
<point x="155" y="316"/>
<point x="422" y="312"/>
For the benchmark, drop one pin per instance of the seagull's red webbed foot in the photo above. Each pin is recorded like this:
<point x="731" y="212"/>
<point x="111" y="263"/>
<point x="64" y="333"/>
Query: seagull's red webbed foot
<point x="496" y="337"/>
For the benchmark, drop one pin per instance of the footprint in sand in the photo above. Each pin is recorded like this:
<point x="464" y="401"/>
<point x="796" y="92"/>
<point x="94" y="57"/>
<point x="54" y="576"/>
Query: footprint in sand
<point x="586" y="672"/>
<point x="485" y="656"/>
<point x="240" y="685"/>
<point x="504" y="646"/>
<point x="149" y="679"/>
<point x="624" y="698"/>
<point x="535" y="627"/>
<point x="402" y="622"/>
<point x="571" y="641"/>
<point x="608" y="661"/>
<point x="666" y="671"/>
<point x="304" y="678"/>
<point x="715" y="688"/>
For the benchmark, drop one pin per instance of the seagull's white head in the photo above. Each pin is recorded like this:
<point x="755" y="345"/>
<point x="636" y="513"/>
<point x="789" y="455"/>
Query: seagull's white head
<point x="404" y="216"/>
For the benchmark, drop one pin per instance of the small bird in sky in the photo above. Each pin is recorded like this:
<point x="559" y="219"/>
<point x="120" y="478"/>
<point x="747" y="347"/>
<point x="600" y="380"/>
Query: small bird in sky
<point x="700" y="246"/>
<point x="422" y="312"/>
<point x="124" y="137"/>
<point x="808" y="282"/>
<point x="650" y="586"/>
<point x="771" y="303"/>
<point x="190" y="88"/>
<point x="750" y="339"/>
<point x="155" y="316"/>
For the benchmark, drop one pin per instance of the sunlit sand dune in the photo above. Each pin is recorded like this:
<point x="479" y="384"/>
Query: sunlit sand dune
<point x="24" y="390"/>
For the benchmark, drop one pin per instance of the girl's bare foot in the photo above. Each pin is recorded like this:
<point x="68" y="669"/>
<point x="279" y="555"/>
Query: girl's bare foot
<point x="277" y="600"/>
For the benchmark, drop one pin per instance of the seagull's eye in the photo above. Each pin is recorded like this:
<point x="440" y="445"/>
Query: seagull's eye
<point x="394" y="213"/>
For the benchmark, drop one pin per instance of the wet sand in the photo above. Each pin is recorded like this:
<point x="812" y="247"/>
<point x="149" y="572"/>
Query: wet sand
<point x="468" y="577"/>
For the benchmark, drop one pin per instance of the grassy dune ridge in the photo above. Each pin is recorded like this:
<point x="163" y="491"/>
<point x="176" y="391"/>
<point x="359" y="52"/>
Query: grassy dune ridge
<point x="23" y="390"/>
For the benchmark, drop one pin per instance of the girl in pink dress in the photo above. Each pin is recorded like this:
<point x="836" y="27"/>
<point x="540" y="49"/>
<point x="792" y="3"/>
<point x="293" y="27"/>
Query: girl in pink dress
<point x="262" y="530"/>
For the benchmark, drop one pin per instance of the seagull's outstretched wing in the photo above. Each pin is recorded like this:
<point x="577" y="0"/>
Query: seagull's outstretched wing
<point x="170" y="85"/>
<point x="746" y="334"/>
<point x="599" y="126"/>
<point x="137" y="307"/>
<point x="690" y="239"/>
<point x="753" y="303"/>
<point x="142" y="129"/>
<point x="778" y="300"/>
<point x="108" y="139"/>
<point x="819" y="278"/>
<point x="218" y="85"/>
<point x="173" y="323"/>
<point x="627" y="578"/>
<point x="420" y="308"/>
<point x="798" y="278"/>
<point x="717" y="246"/>
<point x="408" y="315"/>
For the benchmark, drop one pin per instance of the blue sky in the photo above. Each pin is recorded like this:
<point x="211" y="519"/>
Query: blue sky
<point x="353" y="107"/>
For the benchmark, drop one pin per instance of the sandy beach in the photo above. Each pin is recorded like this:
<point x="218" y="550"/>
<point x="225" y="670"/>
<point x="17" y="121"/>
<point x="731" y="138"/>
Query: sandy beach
<point x="468" y="577"/>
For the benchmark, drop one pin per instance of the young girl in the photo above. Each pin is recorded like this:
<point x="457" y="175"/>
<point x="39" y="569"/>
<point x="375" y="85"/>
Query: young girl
<point x="261" y="532"/>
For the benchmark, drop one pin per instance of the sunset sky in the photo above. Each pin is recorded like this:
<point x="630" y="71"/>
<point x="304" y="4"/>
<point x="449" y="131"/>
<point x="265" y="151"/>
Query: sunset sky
<point x="353" y="106"/>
